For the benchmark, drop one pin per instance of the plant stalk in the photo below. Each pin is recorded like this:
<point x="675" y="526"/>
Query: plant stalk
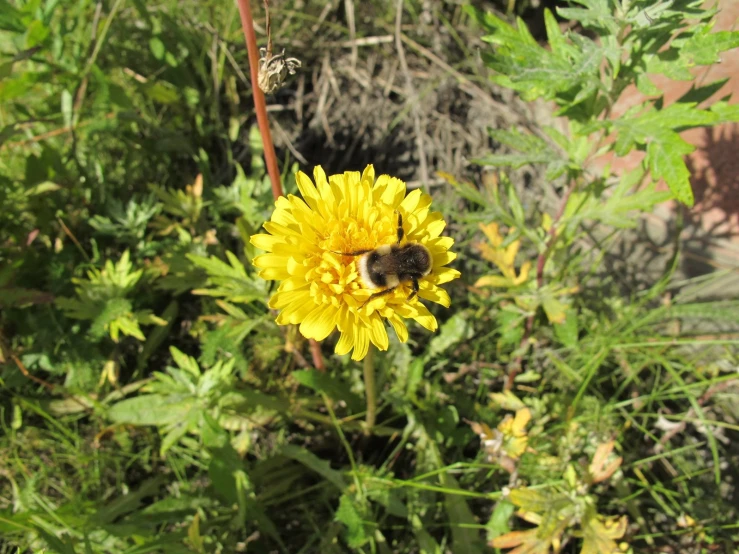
<point x="370" y="390"/>
<point x="260" y="107"/>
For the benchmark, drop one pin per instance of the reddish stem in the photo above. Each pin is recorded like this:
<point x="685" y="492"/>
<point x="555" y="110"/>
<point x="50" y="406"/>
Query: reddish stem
<point x="315" y="352"/>
<point x="270" y="158"/>
<point x="540" y="263"/>
<point x="260" y="106"/>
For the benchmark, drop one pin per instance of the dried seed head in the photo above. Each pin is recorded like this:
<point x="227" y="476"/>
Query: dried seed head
<point x="273" y="70"/>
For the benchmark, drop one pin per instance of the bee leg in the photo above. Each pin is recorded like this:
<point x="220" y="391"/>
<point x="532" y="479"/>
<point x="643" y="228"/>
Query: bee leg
<point x="416" y="288"/>
<point x="355" y="253"/>
<point x="377" y="295"/>
<point x="401" y="233"/>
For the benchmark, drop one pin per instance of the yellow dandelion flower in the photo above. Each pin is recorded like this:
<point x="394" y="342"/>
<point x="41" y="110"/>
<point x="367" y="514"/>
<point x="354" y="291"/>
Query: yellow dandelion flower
<point x="321" y="289"/>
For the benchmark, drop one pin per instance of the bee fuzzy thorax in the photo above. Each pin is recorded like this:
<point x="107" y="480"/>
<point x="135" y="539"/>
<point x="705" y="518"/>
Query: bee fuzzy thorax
<point x="373" y="280"/>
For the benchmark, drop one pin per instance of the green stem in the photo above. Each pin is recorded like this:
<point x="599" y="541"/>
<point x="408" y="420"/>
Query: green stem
<point x="370" y="390"/>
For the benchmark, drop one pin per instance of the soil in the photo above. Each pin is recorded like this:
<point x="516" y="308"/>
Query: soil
<point x="355" y="102"/>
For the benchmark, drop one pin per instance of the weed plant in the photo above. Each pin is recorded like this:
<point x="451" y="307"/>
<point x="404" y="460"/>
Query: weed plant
<point x="150" y="403"/>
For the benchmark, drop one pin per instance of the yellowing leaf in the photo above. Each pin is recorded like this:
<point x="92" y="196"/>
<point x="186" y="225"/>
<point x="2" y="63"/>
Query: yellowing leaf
<point x="530" y="500"/>
<point x="598" y="534"/>
<point x="507" y="400"/>
<point x="555" y="310"/>
<point x="503" y="257"/>
<point x="492" y="281"/>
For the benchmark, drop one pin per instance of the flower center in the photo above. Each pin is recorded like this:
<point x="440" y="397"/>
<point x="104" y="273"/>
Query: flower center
<point x="332" y="275"/>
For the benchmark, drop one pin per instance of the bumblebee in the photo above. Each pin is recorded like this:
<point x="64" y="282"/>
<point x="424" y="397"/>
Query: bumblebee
<point x="389" y="265"/>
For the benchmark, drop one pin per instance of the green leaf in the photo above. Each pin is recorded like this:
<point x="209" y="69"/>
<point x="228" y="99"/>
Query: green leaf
<point x="497" y="525"/>
<point x="228" y="280"/>
<point x="55" y="543"/>
<point x="228" y="475"/>
<point x="151" y="409"/>
<point x="716" y="311"/>
<point x="41" y="188"/>
<point x="157" y="335"/>
<point x="67" y="108"/>
<point x="128" y="503"/>
<point x="704" y="47"/>
<point x="666" y="162"/>
<point x="185" y="362"/>
<point x="510" y="322"/>
<point x="333" y="387"/>
<point x="36" y="34"/>
<point x="596" y="15"/>
<point x="645" y="85"/>
<point x="454" y="330"/>
<point x="347" y="513"/>
<point x="157" y="48"/>
<point x="725" y="112"/>
<point x="556" y="39"/>
<point x="568" y="74"/>
<point x="566" y="332"/>
<point x="313" y="462"/>
<point x="174" y="434"/>
<point x="161" y="92"/>
<point x="514" y="203"/>
<point x="465" y="537"/>
<point x="11" y="18"/>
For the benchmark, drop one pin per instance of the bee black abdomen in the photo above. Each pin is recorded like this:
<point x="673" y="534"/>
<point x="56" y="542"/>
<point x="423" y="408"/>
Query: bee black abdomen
<point x="414" y="260"/>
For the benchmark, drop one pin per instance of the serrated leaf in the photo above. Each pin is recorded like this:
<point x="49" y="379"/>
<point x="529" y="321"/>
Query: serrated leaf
<point x="704" y="46"/>
<point x="151" y="409"/>
<point x="597" y="14"/>
<point x="554" y="34"/>
<point x="466" y="190"/>
<point x="645" y="85"/>
<point x="725" y="112"/>
<point x="185" y="362"/>
<point x="666" y="162"/>
<point x="569" y="74"/>
<point x="348" y="514"/>
<point x="229" y="281"/>
<point x="173" y="436"/>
